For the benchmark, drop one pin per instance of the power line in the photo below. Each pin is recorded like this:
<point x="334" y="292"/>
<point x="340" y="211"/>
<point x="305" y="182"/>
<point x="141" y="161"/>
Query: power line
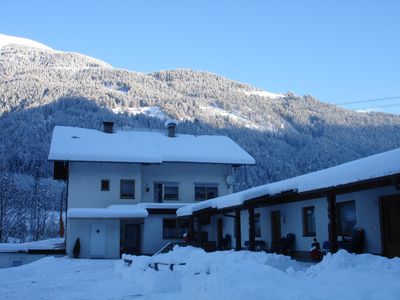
<point x="386" y="105"/>
<point x="369" y="100"/>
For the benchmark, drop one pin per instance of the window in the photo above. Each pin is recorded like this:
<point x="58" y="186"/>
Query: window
<point x="205" y="191"/>
<point x="166" y="191"/>
<point x="346" y="217"/>
<point x="105" y="185"/>
<point x="16" y="263"/>
<point x="309" y="221"/>
<point x="173" y="229"/>
<point x="127" y="190"/>
<point x="257" y="225"/>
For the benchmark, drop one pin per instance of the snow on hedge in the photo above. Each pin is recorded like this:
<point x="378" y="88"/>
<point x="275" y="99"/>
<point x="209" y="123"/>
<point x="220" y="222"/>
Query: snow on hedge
<point x="248" y="275"/>
<point x="49" y="244"/>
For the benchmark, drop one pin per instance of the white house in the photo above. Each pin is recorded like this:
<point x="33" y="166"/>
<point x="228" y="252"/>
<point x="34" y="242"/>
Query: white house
<point x="327" y="205"/>
<point x="125" y="186"/>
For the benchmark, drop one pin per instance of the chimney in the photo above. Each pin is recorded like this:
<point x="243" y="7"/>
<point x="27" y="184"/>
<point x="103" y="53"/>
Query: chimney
<point x="108" y="127"/>
<point x="171" y="127"/>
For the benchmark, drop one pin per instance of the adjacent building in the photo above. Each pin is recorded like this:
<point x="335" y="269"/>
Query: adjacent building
<point x="356" y="200"/>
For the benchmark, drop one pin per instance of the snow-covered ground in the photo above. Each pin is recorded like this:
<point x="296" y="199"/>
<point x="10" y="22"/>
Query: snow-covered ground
<point x="150" y="111"/>
<point x="264" y="94"/>
<point x="220" y="275"/>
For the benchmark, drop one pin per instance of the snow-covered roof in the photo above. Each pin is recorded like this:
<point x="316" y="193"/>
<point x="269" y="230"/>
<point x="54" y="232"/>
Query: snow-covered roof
<point x="120" y="210"/>
<point x="152" y="205"/>
<point x="50" y="244"/>
<point x="80" y="144"/>
<point x="375" y="166"/>
<point x="111" y="212"/>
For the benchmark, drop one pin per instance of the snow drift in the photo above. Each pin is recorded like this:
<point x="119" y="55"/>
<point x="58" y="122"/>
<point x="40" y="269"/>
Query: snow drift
<point x="248" y="275"/>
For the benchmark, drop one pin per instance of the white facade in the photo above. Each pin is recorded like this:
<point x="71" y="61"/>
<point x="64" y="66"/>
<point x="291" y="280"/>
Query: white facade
<point x="368" y="217"/>
<point x="84" y="191"/>
<point x="84" y="188"/>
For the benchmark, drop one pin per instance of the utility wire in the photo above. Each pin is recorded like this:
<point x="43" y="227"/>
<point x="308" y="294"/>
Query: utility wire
<point x="386" y="105"/>
<point x="369" y="100"/>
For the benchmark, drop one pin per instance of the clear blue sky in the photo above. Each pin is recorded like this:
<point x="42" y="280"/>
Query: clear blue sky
<point x="337" y="51"/>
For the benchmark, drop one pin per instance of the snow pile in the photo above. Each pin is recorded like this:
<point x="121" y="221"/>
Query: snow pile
<point x="7" y="40"/>
<point x="219" y="275"/>
<point x="53" y="278"/>
<point x="246" y="275"/>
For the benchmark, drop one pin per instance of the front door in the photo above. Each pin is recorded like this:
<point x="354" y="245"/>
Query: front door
<point x="97" y="240"/>
<point x="275" y="228"/>
<point x="390" y="208"/>
<point x="132" y="239"/>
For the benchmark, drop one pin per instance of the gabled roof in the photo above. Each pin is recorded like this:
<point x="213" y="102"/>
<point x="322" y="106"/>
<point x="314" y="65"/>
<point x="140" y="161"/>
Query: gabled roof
<point x="368" y="168"/>
<point x="81" y="144"/>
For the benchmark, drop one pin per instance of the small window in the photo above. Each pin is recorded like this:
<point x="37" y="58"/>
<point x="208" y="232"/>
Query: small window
<point x="16" y="263"/>
<point x="309" y="221"/>
<point x="174" y="229"/>
<point x="346" y="216"/>
<point x="166" y="191"/>
<point x="257" y="225"/>
<point x="205" y="191"/>
<point x="105" y="185"/>
<point x="127" y="189"/>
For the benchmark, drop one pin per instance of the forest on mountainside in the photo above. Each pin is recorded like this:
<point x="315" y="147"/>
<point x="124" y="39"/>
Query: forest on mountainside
<point x="288" y="135"/>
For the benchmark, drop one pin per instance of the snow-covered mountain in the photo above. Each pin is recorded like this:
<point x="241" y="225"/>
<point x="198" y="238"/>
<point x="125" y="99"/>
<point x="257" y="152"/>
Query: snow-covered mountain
<point x="287" y="134"/>
<point x="34" y="75"/>
<point x="7" y="40"/>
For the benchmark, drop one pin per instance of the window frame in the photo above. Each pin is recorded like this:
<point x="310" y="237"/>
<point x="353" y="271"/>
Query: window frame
<point x="306" y="231"/>
<point x="339" y="208"/>
<point x="165" y="183"/>
<point x="206" y="186"/>
<point x="105" y="188"/>
<point x="180" y="226"/>
<point x="121" y="196"/>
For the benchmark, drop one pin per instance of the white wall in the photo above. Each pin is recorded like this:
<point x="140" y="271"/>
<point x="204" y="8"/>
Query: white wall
<point x="367" y="215"/>
<point x="84" y="188"/>
<point x="152" y="235"/>
<point x="186" y="174"/>
<point x="80" y="228"/>
<point x="85" y="180"/>
<point x="292" y="222"/>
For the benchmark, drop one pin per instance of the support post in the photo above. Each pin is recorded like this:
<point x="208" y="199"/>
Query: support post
<point x="191" y="224"/>
<point x="252" y="231"/>
<point x="220" y="234"/>
<point x="332" y="226"/>
<point x="191" y="231"/>
<point x="238" y="231"/>
<point x="200" y="240"/>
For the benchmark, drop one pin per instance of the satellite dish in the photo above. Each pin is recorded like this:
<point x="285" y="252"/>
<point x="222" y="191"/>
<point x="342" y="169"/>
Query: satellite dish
<point x="230" y="179"/>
